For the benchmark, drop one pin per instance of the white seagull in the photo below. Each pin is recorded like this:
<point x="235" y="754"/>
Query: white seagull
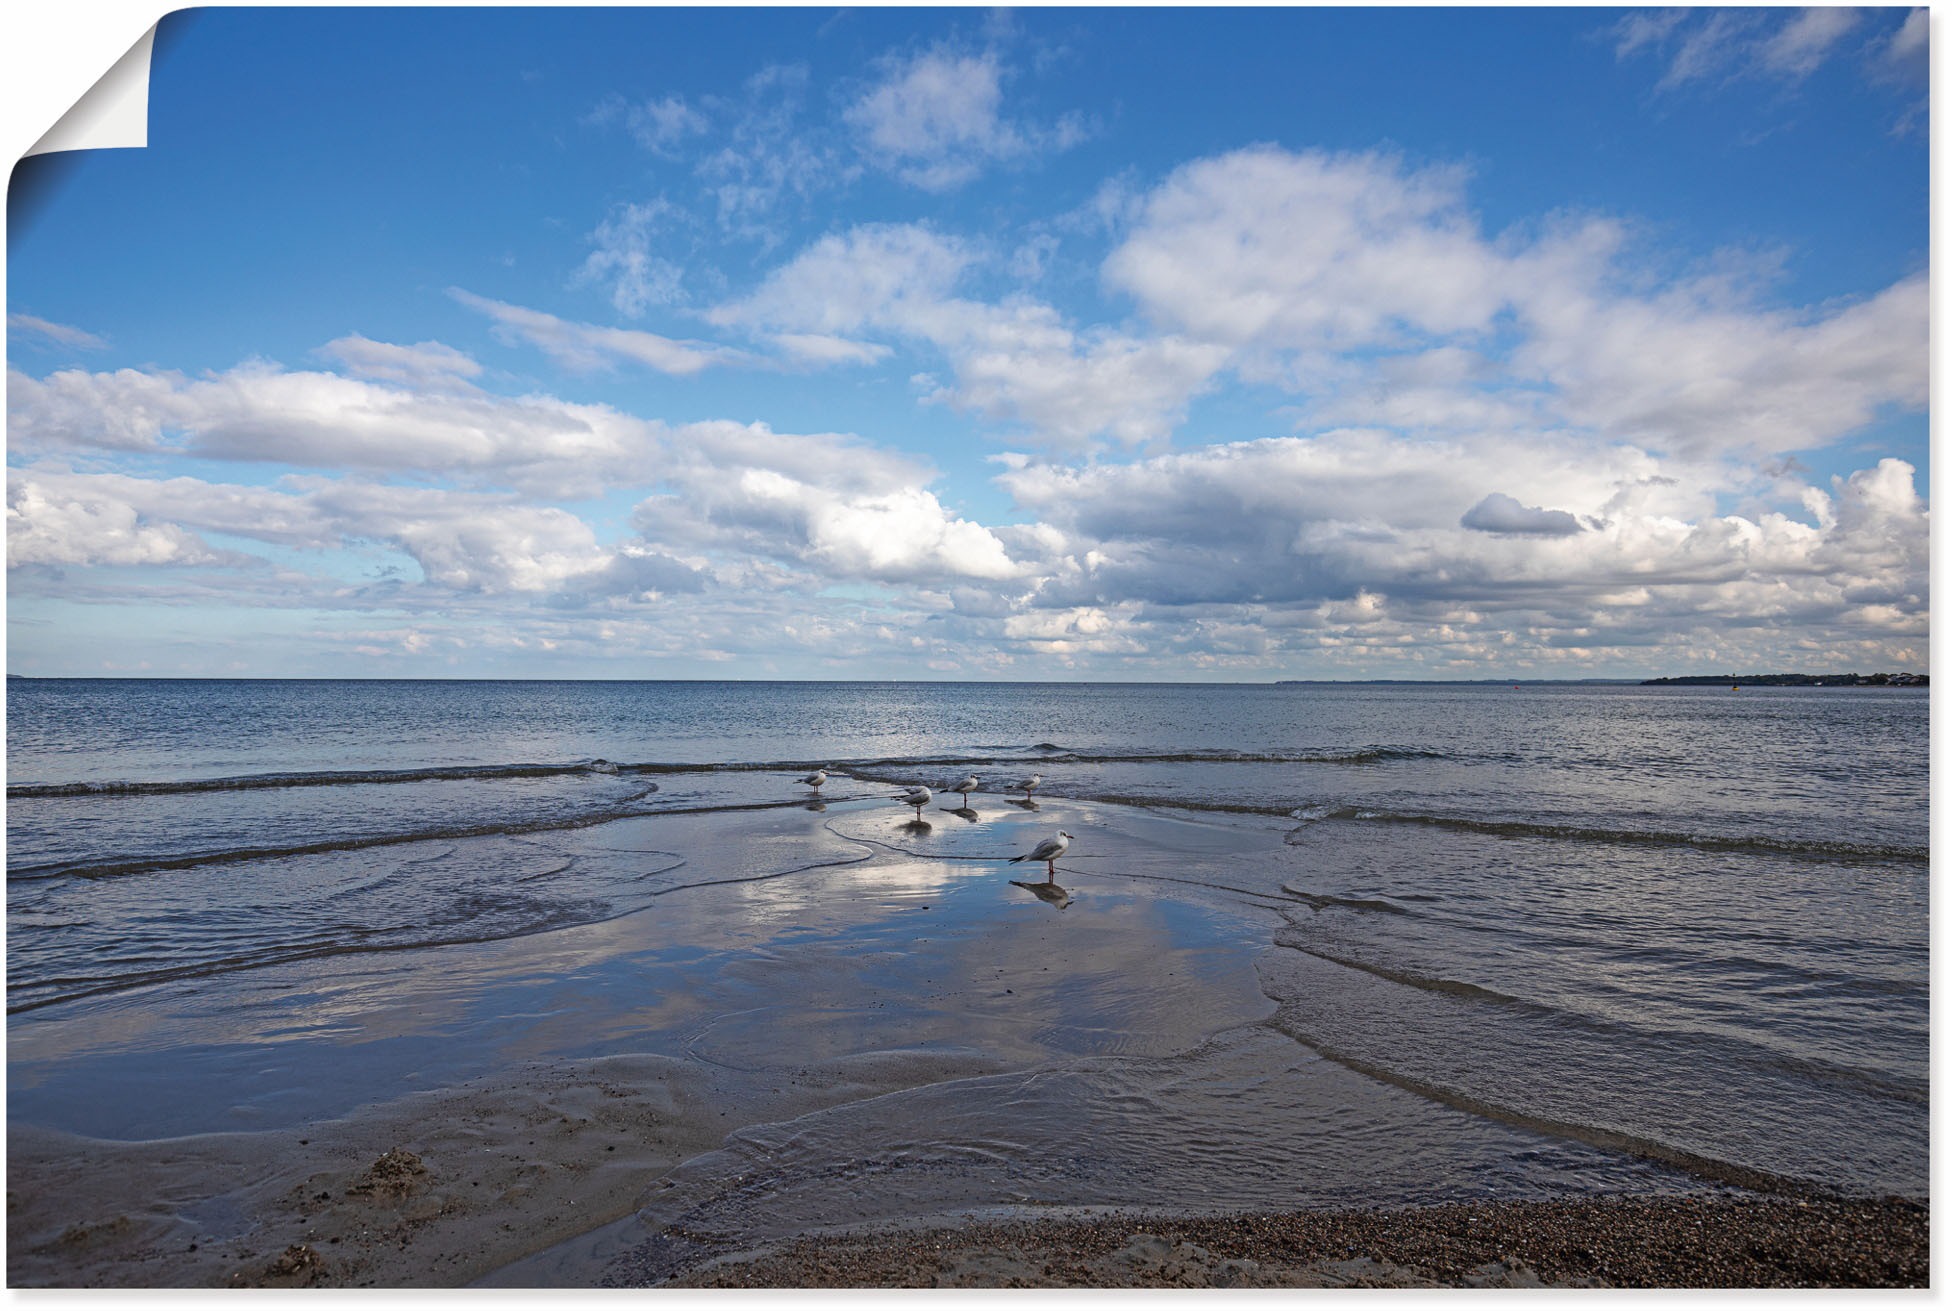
<point x="917" y="796"/>
<point x="815" y="779"/>
<point x="1029" y="785"/>
<point x="967" y="786"/>
<point x="1047" y="851"/>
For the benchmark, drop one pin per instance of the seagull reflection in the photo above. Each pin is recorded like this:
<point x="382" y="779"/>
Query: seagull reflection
<point x="816" y="805"/>
<point x="963" y="812"/>
<point x="918" y="825"/>
<point x="1049" y="892"/>
<point x="1025" y="804"/>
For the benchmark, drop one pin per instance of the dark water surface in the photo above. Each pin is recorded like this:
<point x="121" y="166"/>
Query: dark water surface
<point x="1687" y="921"/>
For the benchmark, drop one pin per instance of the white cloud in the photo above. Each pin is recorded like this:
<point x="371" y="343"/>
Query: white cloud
<point x="1805" y="41"/>
<point x="1905" y="56"/>
<point x="1681" y="372"/>
<point x="59" y="333"/>
<point x="1705" y="45"/>
<point x="872" y="276"/>
<point x="936" y="120"/>
<point x="1265" y="247"/>
<point x="1016" y="362"/>
<point x="1290" y="525"/>
<point x="623" y="260"/>
<point x="768" y="156"/>
<point x="426" y="364"/>
<point x="1644" y="27"/>
<point x="824" y="503"/>
<point x="260" y="413"/>
<point x="821" y="350"/>
<point x="468" y="542"/>
<point x="462" y="541"/>
<point x="56" y="525"/>
<point x="658" y="125"/>
<point x="586" y="347"/>
<point x="1365" y="286"/>
<point x="1720" y="41"/>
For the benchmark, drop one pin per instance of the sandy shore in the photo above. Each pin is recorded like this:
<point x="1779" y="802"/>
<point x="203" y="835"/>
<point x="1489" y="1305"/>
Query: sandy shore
<point x="832" y="1020"/>
<point x="1614" y="1242"/>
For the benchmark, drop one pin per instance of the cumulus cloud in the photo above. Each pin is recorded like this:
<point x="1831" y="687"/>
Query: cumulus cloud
<point x="468" y="542"/>
<point x="1271" y="248"/>
<point x="723" y="497"/>
<point x="1017" y="361"/>
<point x="829" y="504"/>
<point x="461" y="540"/>
<point x="59" y="525"/>
<point x="1681" y="371"/>
<point x="935" y="119"/>
<point x="1364" y="285"/>
<point x="872" y="276"/>
<point x="1498" y="513"/>
<point x="1359" y="538"/>
<point x="261" y="413"/>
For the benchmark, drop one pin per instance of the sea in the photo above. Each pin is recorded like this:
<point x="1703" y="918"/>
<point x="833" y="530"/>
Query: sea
<point x="1688" y="923"/>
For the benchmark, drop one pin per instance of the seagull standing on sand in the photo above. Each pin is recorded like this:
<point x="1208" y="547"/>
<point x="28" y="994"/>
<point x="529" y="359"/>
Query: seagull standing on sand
<point x="1029" y="785"/>
<point x="815" y="779"/>
<point x="917" y="796"/>
<point x="967" y="786"/>
<point x="1047" y="851"/>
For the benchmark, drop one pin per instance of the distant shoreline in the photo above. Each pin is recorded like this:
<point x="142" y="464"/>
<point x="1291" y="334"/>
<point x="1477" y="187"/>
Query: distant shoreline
<point x="1686" y="680"/>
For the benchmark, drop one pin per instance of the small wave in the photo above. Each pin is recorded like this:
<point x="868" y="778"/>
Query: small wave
<point x="1322" y="901"/>
<point x="1605" y="1137"/>
<point x="1425" y="983"/>
<point x="1047" y="753"/>
<point x="361" y="842"/>
<point x="1733" y="1049"/>
<point x="1358" y="756"/>
<point x="1807" y="848"/>
<point x="76" y="989"/>
<point x="318" y="778"/>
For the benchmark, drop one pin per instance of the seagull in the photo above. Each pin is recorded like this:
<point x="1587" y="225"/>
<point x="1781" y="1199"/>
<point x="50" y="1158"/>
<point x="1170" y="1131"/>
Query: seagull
<point x="1029" y="785"/>
<point x="1047" y="851"/>
<point x="917" y="796"/>
<point x="967" y="786"/>
<point x="815" y="779"/>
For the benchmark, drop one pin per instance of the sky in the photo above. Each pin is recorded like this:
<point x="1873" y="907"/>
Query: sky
<point x="982" y="344"/>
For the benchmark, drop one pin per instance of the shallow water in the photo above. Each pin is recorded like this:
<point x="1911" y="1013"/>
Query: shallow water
<point x="1691" y="923"/>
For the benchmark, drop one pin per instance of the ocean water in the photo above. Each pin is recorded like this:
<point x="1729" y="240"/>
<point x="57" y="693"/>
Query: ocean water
<point x="1686" y="923"/>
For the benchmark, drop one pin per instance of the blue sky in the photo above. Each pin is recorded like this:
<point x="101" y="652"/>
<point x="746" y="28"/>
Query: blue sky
<point x="1046" y="343"/>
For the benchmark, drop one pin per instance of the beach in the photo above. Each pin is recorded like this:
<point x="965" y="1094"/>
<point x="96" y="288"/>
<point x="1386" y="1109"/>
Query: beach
<point x="1185" y="1057"/>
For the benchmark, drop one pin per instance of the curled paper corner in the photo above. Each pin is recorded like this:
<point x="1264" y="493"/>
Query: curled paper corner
<point x="114" y="113"/>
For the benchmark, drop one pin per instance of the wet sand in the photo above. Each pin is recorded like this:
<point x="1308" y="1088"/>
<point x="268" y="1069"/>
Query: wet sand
<point x="824" y="1018"/>
<point x="1594" y="1243"/>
